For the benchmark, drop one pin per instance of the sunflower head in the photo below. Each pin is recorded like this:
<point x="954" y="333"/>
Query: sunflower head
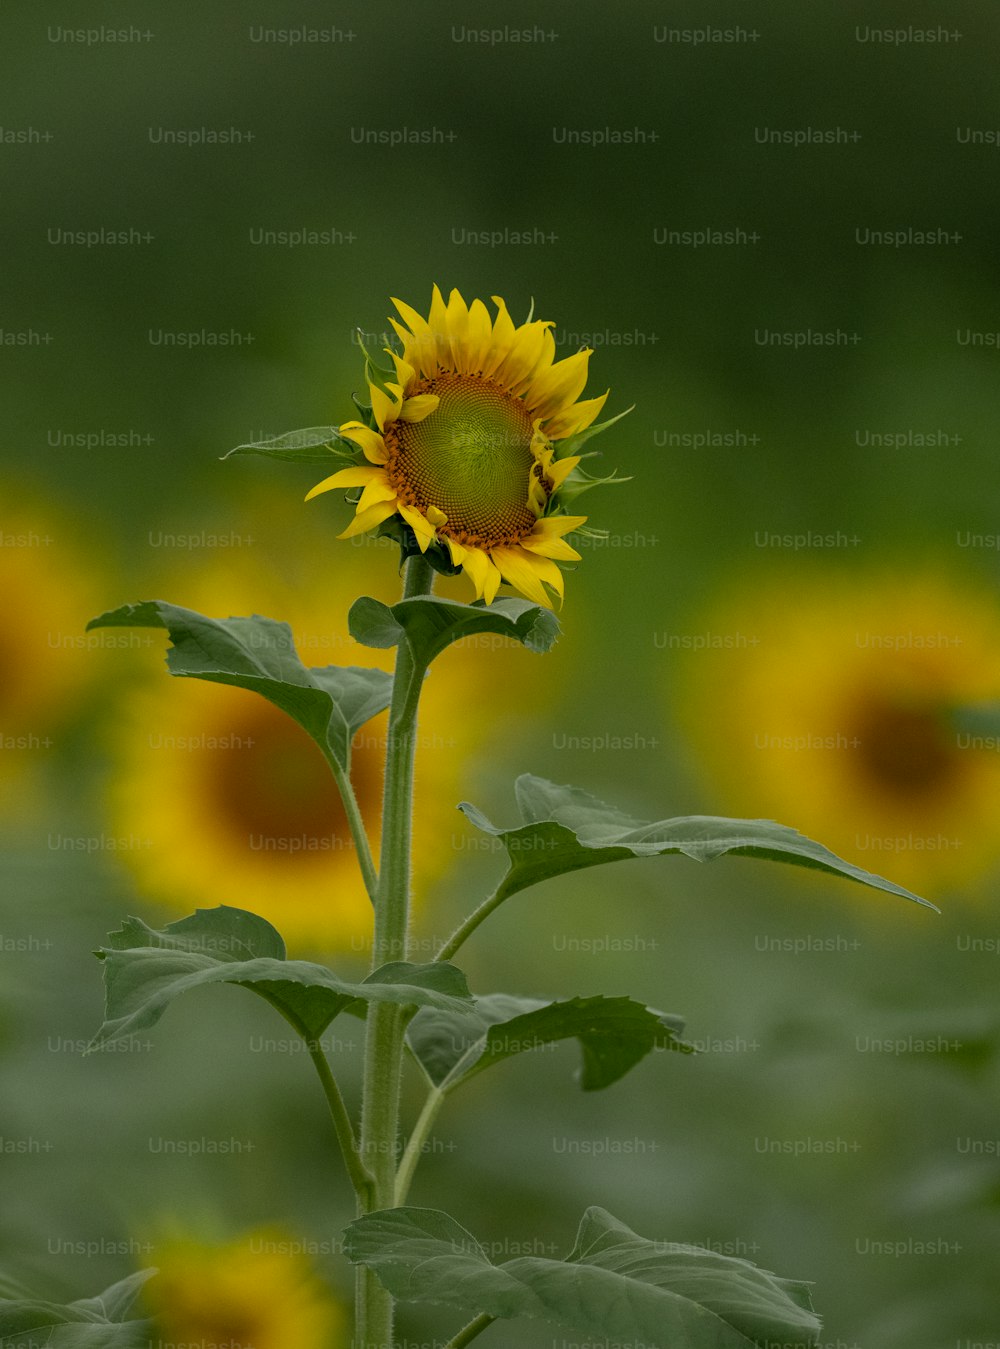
<point x="460" y="457"/>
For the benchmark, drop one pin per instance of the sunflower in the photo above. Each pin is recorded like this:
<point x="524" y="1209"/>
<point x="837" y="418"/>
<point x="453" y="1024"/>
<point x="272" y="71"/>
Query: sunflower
<point x="47" y="664"/>
<point x="463" y="445"/>
<point x="254" y="1292"/>
<point x="836" y="704"/>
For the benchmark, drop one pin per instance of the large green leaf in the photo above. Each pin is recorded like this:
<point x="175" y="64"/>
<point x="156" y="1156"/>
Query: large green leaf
<point x="145" y="970"/>
<point x="566" y="829"/>
<point x="309" y="445"/>
<point x="614" y="1285"/>
<point x="330" y="703"/>
<point x="614" y="1034"/>
<point x="91" y="1323"/>
<point x="428" y="624"/>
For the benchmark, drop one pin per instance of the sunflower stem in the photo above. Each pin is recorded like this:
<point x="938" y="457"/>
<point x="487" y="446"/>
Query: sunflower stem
<point x="466" y="928"/>
<point x="386" y="1022"/>
<point x="414" y="1147"/>
<point x="362" y="847"/>
<point x="360" y="1176"/>
<point x="468" y="1333"/>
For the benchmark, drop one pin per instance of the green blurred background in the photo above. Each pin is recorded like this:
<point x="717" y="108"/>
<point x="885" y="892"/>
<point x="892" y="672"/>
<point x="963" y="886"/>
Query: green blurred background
<point x="112" y="441"/>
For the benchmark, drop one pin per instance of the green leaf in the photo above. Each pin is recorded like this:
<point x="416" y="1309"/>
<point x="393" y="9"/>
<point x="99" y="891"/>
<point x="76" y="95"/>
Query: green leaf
<point x="91" y="1323"/>
<point x="330" y="703"/>
<point x="144" y="970"/>
<point x="613" y="1285"/>
<point x="614" y="1034"/>
<point x="566" y="829"/>
<point x="977" y="719"/>
<point x="310" y="445"/>
<point x="428" y="624"/>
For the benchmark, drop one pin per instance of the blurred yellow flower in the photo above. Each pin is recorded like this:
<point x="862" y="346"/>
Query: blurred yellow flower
<point x="465" y="445"/>
<point x="828" y="703"/>
<point x="257" y="1291"/>
<point x="224" y="799"/>
<point x="47" y="662"/>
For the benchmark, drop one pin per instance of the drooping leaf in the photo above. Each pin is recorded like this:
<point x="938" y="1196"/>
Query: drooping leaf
<point x="330" y="703"/>
<point x="144" y="970"/>
<point x="614" y="1285"/>
<point x="565" y="829"/>
<point x="310" y="445"/>
<point x="428" y="624"/>
<point x="614" y="1035"/>
<point x="91" y="1323"/>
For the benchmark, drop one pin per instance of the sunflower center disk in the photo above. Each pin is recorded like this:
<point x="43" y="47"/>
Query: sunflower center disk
<point x="906" y="750"/>
<point x="471" y="458"/>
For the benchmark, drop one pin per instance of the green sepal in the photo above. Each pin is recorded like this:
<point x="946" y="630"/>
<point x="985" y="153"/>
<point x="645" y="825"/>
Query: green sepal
<point x="565" y="829"/>
<point x="572" y="444"/>
<point x="309" y="445"/>
<point x="145" y="969"/>
<point x="613" y="1286"/>
<point x="437" y="555"/>
<point x="90" y="1323"/>
<point x="614" y="1035"/>
<point x="330" y="703"/>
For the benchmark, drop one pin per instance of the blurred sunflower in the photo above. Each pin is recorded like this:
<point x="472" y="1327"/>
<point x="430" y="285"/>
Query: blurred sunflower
<point x="463" y="446"/>
<point x="254" y="1292"/>
<point x="833" y="704"/>
<point x="46" y="665"/>
<point x="229" y="801"/>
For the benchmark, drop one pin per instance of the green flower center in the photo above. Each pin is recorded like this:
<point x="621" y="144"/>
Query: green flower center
<point x="471" y="458"/>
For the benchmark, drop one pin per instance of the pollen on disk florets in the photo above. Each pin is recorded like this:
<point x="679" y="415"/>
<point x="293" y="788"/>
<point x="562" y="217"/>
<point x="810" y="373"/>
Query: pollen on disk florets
<point x="471" y="459"/>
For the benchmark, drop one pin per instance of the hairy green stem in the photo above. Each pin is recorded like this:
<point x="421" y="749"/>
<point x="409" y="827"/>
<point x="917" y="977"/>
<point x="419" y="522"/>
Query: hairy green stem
<point x="360" y="1177"/>
<point x="357" y="826"/>
<point x="468" y="1333"/>
<point x="466" y="928"/>
<point x="414" y="1147"/>
<point x="386" y="1022"/>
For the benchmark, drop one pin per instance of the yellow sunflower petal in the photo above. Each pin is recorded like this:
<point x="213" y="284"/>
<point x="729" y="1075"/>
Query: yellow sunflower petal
<point x="370" y="441"/>
<point x="520" y="569"/>
<point x="524" y="354"/>
<point x="421" y="527"/>
<point x="437" y="321"/>
<point x="576" y="418"/>
<point x="558" y="472"/>
<point x="524" y="386"/>
<point x="348" y="477"/>
<point x="559" y="386"/>
<point x="458" y="332"/>
<point x="372" y="517"/>
<point x="555" y="526"/>
<point x="456" y="550"/>
<point x="417" y="408"/>
<point x="480" y="336"/>
<point x="379" y="489"/>
<point x="477" y="566"/>
<point x="419" y="347"/>
<point x="503" y="338"/>
<point x="405" y="373"/>
<point x="385" y="406"/>
<point x="491" y="583"/>
<point x="436" y="517"/>
<point x="551" y="547"/>
<point x="547" y="571"/>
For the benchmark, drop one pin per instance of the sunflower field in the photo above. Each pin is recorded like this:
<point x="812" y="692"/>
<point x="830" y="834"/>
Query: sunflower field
<point x="752" y="246"/>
